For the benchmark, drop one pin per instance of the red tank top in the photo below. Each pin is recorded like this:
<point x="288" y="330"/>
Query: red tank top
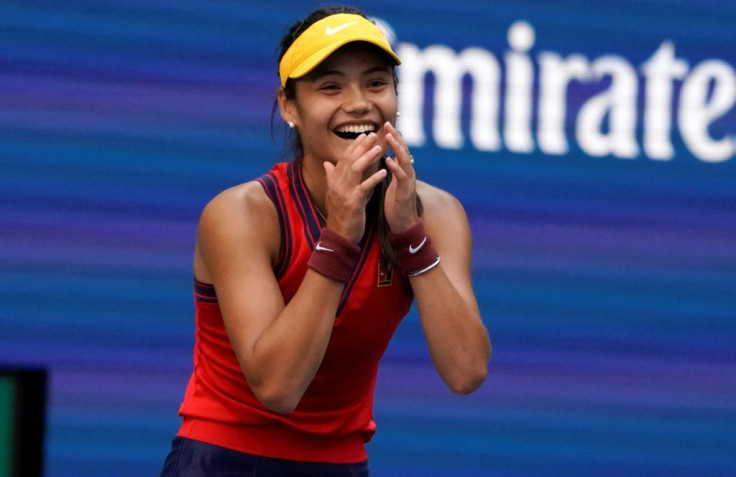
<point x="334" y="418"/>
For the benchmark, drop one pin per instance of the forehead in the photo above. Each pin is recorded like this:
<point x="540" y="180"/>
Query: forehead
<point x="359" y="55"/>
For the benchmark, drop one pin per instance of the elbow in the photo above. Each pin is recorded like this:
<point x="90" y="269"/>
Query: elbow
<point x="468" y="381"/>
<point x="469" y="369"/>
<point x="276" y="393"/>
<point x="280" y="407"/>
<point x="276" y="398"/>
<point x="280" y="403"/>
<point x="471" y="375"/>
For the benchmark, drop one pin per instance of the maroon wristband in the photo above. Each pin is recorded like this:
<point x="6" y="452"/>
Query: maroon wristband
<point x="334" y="256"/>
<point x="414" y="251"/>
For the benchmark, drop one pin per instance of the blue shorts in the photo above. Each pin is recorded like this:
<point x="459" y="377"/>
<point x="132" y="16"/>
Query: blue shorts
<point x="190" y="458"/>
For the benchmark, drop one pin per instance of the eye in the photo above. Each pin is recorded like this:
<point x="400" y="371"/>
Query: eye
<point x="329" y="87"/>
<point x="377" y="83"/>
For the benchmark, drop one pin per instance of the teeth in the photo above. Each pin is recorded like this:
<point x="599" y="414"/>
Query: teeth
<point x="356" y="129"/>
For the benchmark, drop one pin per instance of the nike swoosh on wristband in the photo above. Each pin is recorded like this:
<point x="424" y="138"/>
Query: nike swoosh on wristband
<point x="413" y="250"/>
<point x="320" y="248"/>
<point x="332" y="31"/>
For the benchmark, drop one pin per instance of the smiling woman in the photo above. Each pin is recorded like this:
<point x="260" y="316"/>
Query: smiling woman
<point x="303" y="275"/>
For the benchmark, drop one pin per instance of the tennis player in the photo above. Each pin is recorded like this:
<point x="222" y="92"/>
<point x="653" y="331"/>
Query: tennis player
<point x="303" y="275"/>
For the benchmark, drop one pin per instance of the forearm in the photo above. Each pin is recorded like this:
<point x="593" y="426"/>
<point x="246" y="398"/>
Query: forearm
<point x="457" y="339"/>
<point x="286" y="355"/>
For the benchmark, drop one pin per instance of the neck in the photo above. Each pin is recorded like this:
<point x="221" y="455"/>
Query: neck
<point x="316" y="182"/>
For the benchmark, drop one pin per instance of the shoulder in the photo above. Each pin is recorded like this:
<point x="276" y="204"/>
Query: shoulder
<point x="246" y="201"/>
<point x="445" y="218"/>
<point x="240" y="214"/>
<point x="438" y="202"/>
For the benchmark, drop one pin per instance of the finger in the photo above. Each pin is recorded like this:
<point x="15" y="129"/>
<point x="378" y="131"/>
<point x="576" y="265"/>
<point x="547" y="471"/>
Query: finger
<point x="329" y="169"/>
<point x="359" y="156"/>
<point x="371" y="182"/>
<point x="401" y="153"/>
<point x="360" y="145"/>
<point x="397" y="171"/>
<point x="404" y="160"/>
<point x="368" y="158"/>
<point x="396" y="141"/>
<point x="400" y="149"/>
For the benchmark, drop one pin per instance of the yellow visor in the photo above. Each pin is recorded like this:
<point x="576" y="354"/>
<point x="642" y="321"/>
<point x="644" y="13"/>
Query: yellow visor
<point x="325" y="36"/>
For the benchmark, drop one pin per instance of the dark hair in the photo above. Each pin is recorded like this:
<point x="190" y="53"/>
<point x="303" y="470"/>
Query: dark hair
<point x="375" y="209"/>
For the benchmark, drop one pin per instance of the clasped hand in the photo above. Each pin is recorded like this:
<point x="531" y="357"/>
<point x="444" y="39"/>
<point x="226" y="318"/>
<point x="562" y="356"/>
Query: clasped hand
<point x="348" y="188"/>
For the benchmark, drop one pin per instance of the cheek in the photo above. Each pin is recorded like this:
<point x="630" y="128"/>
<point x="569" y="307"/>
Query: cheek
<point x="389" y="108"/>
<point x="315" y="116"/>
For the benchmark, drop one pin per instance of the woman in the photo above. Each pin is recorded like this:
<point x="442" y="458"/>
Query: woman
<point x="302" y="276"/>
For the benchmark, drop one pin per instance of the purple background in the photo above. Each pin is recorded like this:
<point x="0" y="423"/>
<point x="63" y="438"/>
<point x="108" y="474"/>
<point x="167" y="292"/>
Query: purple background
<point x="608" y="285"/>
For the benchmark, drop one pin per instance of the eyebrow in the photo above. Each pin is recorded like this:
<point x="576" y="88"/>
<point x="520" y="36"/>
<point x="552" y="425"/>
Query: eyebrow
<point x="369" y="71"/>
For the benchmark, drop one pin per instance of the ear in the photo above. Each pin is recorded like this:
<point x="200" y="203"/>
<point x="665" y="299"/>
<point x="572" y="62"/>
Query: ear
<point x="287" y="108"/>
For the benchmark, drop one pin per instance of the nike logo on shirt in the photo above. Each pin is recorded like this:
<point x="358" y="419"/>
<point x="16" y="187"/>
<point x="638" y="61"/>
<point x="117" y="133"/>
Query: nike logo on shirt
<point x="413" y="250"/>
<point x="320" y="248"/>
<point x="332" y="31"/>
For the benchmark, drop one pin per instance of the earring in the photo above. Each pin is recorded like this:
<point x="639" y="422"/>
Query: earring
<point x="398" y="113"/>
<point x="290" y="124"/>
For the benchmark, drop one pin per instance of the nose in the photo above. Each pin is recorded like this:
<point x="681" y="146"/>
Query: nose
<point x="356" y="99"/>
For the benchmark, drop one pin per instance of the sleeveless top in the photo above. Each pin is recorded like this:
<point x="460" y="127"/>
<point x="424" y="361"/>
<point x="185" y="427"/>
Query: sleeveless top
<point x="334" y="418"/>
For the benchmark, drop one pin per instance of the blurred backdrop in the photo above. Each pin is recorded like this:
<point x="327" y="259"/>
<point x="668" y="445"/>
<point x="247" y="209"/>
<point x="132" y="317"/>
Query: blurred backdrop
<point x="592" y="145"/>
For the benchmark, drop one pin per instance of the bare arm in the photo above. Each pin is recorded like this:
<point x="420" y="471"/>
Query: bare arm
<point x="457" y="339"/>
<point x="279" y="347"/>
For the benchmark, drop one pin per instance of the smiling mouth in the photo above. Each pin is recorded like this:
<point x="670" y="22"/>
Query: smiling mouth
<point x="351" y="132"/>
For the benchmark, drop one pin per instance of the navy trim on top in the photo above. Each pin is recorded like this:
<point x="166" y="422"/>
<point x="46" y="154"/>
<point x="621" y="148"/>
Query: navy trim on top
<point x="310" y="219"/>
<point x="271" y="186"/>
<point x="204" y="292"/>
<point x="312" y="226"/>
<point x="365" y="248"/>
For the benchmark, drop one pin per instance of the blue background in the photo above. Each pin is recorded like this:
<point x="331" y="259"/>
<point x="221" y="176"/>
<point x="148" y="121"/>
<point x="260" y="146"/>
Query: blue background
<point x="608" y="285"/>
